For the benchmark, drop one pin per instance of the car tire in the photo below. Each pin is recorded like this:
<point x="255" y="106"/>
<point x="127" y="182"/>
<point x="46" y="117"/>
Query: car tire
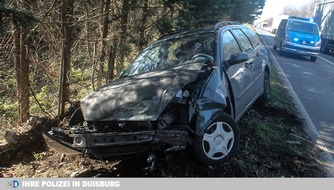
<point x="313" y="58"/>
<point x="219" y="142"/>
<point x="275" y="47"/>
<point x="280" y="52"/>
<point x="265" y="97"/>
<point x="323" y="49"/>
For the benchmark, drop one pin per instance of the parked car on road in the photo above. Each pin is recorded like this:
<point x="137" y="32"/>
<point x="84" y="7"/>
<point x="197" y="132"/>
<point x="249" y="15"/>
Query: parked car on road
<point x="298" y="35"/>
<point x="187" y="89"/>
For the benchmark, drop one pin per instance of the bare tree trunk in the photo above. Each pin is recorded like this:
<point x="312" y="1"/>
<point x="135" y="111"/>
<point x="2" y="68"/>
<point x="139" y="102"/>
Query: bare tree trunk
<point x="24" y="71"/>
<point x="17" y="61"/>
<point x="111" y="60"/>
<point x="66" y="30"/>
<point x="22" y="68"/>
<point x="89" y="47"/>
<point x="104" y="33"/>
<point x="143" y="40"/>
<point x="124" y="27"/>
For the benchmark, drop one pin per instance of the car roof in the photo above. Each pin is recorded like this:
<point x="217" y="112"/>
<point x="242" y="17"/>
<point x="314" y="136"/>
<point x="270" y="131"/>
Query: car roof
<point x="206" y="30"/>
<point x="306" y="21"/>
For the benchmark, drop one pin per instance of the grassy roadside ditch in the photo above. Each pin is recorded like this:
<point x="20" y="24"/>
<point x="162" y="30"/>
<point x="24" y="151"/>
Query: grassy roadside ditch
<point x="274" y="143"/>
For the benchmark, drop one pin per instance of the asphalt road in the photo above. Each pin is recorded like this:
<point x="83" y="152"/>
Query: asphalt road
<point x="313" y="82"/>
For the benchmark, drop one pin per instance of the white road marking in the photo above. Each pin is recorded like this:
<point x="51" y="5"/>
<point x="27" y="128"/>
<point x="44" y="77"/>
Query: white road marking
<point x="326" y="60"/>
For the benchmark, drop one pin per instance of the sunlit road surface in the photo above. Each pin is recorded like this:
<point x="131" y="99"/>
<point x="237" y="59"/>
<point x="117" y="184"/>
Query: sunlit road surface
<point x="313" y="82"/>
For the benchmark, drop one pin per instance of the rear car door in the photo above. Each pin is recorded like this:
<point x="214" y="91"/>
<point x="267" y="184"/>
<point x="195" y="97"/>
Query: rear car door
<point x="257" y="54"/>
<point x="240" y="74"/>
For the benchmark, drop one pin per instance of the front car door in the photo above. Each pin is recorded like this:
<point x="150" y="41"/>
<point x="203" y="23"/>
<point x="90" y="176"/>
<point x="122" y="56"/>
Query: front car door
<point x="280" y="32"/>
<point x="240" y="75"/>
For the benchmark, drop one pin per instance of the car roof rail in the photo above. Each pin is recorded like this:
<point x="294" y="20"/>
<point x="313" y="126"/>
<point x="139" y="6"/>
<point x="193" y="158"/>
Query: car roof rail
<point x="172" y="33"/>
<point x="184" y="31"/>
<point x="225" y="23"/>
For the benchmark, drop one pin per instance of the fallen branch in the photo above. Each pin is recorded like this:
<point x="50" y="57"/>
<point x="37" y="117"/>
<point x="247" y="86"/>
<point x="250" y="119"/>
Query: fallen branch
<point x="39" y="105"/>
<point x="301" y="138"/>
<point x="294" y="142"/>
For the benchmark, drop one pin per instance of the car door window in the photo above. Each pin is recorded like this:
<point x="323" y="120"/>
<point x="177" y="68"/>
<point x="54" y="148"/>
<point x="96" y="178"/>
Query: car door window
<point x="282" y="24"/>
<point x="230" y="45"/>
<point x="245" y="44"/>
<point x="252" y="37"/>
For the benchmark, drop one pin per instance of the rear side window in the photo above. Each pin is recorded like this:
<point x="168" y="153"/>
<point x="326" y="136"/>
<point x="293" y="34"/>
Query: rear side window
<point x="230" y="45"/>
<point x="245" y="44"/>
<point x="251" y="36"/>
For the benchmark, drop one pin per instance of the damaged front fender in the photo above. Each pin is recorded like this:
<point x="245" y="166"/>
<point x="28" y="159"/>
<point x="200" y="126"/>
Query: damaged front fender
<point x="211" y="101"/>
<point x="206" y="110"/>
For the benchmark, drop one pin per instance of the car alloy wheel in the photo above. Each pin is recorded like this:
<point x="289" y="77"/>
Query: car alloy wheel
<point x="219" y="141"/>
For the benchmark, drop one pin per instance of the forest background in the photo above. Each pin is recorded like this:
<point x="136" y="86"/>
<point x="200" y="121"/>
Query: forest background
<point x="54" y="52"/>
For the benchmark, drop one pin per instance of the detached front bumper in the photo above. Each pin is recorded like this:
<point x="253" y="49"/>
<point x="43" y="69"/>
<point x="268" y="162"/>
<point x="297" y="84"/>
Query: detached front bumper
<point x="116" y="144"/>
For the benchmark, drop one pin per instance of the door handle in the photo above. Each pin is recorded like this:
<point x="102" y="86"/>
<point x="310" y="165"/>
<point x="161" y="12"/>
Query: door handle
<point x="248" y="64"/>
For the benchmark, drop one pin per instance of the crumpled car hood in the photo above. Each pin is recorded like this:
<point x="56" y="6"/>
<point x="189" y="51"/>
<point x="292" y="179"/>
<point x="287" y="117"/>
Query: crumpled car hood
<point x="140" y="97"/>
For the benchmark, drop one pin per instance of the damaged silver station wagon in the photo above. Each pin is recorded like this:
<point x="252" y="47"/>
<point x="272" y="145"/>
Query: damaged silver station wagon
<point x="186" y="89"/>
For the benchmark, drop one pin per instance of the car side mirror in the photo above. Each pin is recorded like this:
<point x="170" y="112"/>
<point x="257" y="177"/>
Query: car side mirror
<point x="238" y="58"/>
